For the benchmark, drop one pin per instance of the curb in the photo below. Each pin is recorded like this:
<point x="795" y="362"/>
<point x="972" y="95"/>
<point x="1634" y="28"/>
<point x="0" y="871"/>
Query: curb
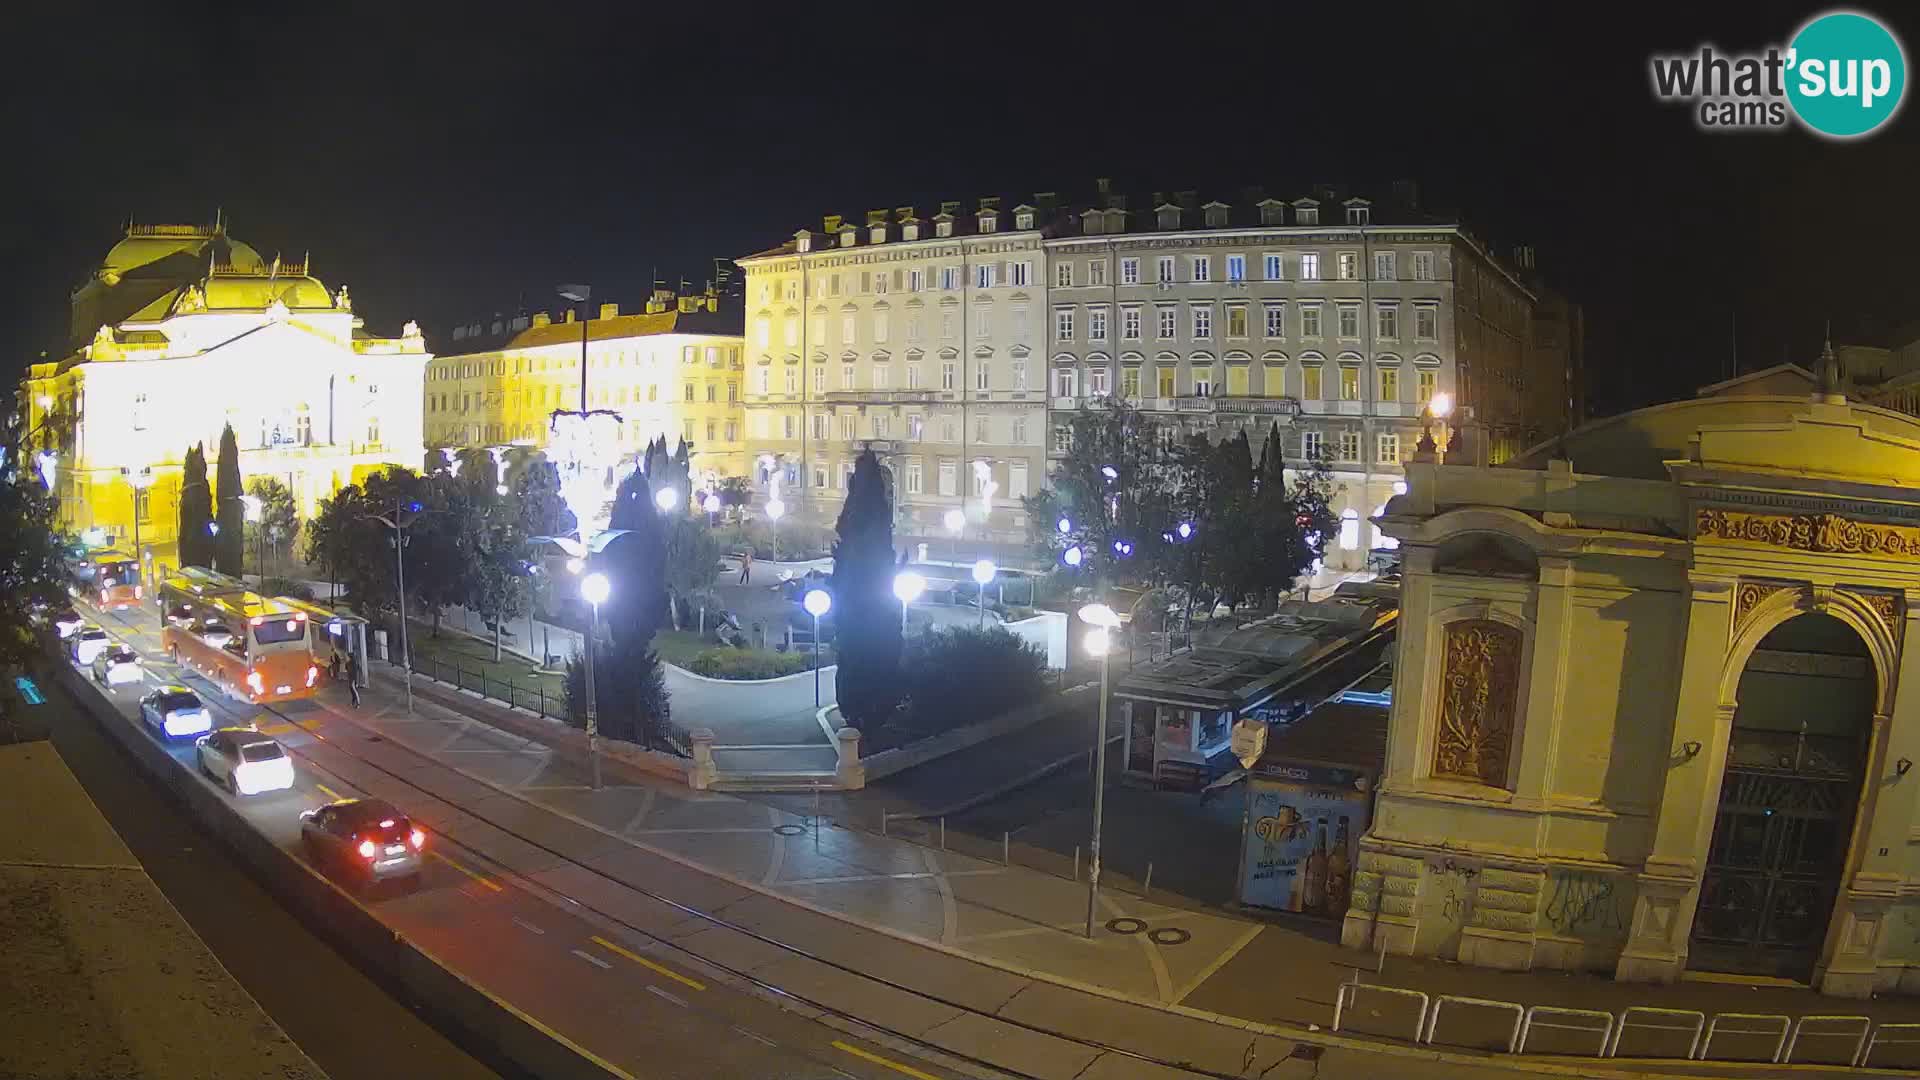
<point x="749" y="682"/>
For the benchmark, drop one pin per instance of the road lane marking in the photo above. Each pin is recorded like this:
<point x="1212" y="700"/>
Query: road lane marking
<point x="755" y="1036"/>
<point x="527" y="926"/>
<point x="594" y="960"/>
<point x="648" y="964"/>
<point x="868" y="1055"/>
<point x="481" y="878"/>
<point x="675" y="998"/>
<point x="331" y="794"/>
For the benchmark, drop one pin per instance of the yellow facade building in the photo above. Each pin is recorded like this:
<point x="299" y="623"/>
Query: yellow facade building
<point x="673" y="369"/>
<point x="182" y="330"/>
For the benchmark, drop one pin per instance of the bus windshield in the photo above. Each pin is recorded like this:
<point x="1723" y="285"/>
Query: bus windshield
<point x="275" y="631"/>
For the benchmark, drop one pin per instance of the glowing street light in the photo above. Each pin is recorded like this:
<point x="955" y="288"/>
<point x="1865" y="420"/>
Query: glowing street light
<point x="983" y="572"/>
<point x="666" y="499"/>
<point x="1441" y="404"/>
<point x="594" y="589"/>
<point x="955" y="520"/>
<point x="775" y="508"/>
<point x="45" y="400"/>
<point x="1073" y="556"/>
<point x="817" y="602"/>
<point x="1185" y="530"/>
<point x="907" y="586"/>
<point x="1099" y="643"/>
<point x="1110" y="473"/>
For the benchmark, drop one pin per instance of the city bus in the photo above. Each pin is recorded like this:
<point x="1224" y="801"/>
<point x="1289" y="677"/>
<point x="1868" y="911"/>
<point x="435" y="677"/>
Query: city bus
<point x="109" y="579"/>
<point x="250" y="646"/>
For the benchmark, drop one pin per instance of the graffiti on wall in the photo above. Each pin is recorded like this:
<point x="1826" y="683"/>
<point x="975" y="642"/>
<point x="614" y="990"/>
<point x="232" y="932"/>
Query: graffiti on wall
<point x="1584" y="904"/>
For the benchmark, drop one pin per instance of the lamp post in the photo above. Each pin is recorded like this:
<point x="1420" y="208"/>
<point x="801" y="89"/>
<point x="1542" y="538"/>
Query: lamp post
<point x="1099" y="643"/>
<point x="817" y="602"/>
<point x="907" y="586"/>
<point x="399" y="525"/>
<point x="139" y="480"/>
<point x="983" y="572"/>
<point x="594" y="589"/>
<point x="580" y="294"/>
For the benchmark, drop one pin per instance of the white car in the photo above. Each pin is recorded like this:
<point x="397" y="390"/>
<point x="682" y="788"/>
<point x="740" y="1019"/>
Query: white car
<point x="244" y="760"/>
<point x="67" y="621"/>
<point x="175" y="711"/>
<point x="117" y="665"/>
<point x="87" y="643"/>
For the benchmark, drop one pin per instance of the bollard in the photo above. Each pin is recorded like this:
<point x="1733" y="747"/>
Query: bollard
<point x="1076" y="862"/>
<point x="1006" y="858"/>
<point x="943" y="832"/>
<point x="1147" y="885"/>
<point x="883" y="822"/>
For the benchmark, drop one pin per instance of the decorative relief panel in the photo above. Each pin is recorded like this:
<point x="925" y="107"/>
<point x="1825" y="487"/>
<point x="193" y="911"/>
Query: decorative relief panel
<point x="1887" y="606"/>
<point x="1809" y="532"/>
<point x="1749" y="596"/>
<point x="1479" y="690"/>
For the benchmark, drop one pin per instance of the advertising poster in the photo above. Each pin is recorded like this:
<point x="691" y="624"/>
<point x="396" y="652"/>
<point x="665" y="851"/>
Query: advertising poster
<point x="1302" y="835"/>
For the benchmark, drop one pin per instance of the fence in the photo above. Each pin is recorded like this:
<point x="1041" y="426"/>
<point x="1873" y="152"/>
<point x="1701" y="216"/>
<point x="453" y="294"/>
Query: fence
<point x="545" y="697"/>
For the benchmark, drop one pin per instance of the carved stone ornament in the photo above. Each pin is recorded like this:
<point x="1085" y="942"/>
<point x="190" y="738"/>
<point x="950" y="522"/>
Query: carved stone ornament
<point x="1885" y="605"/>
<point x="1479" y="688"/>
<point x="1824" y="533"/>
<point x="1750" y="595"/>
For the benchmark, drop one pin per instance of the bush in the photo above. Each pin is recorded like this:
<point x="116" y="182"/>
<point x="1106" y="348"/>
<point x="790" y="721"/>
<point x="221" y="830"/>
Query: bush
<point x="630" y="697"/>
<point x="279" y="586"/>
<point x="960" y="675"/>
<point x="747" y="663"/>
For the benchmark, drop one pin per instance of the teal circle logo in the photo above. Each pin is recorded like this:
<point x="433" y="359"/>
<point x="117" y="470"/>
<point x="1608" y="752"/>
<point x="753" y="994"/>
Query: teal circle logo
<point x="1847" y="74"/>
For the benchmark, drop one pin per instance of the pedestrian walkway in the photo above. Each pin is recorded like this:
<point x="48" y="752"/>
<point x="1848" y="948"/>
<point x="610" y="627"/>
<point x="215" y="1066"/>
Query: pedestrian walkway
<point x="1148" y="950"/>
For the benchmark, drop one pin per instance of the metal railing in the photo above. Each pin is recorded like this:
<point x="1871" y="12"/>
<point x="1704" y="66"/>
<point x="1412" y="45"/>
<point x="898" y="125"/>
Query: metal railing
<point x="545" y="697"/>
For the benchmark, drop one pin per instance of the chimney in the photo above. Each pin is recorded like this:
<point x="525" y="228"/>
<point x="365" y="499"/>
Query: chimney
<point x="569" y="317"/>
<point x="950" y="206"/>
<point x="1103" y="188"/>
<point x="608" y="311"/>
<point x="830" y="223"/>
<point x="876" y="217"/>
<point x="1159" y="200"/>
<point x="1407" y="194"/>
<point x="1116" y="202"/>
<point x="990" y="202"/>
<point x="541" y="318"/>
<point x="1188" y="200"/>
<point x="903" y="213"/>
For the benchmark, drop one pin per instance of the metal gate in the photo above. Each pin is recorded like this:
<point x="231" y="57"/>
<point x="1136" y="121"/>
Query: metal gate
<point x="1778" y="853"/>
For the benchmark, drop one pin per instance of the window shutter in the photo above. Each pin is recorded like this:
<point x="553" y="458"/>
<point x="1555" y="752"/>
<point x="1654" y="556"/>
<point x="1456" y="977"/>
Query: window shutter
<point x="897" y="279"/>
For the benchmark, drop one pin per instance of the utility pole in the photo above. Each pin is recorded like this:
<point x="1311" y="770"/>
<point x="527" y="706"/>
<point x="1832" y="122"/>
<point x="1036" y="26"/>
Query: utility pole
<point x="400" y="541"/>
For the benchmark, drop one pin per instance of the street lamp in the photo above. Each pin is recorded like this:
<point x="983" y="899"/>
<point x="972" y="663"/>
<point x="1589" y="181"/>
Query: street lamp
<point x="1100" y="644"/>
<point x="399" y="540"/>
<point x="594" y="589"/>
<point x="983" y="572"/>
<point x="580" y="294"/>
<point x="139" y="480"/>
<point x="775" y="508"/>
<point x="907" y="586"/>
<point x="956" y="520"/>
<point x="817" y="603"/>
<point x="254" y="505"/>
<point x="666" y="499"/>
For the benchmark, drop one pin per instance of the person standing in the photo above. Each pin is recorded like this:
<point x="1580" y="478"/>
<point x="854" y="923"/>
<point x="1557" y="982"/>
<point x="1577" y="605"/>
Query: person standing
<point x="353" y="678"/>
<point x="746" y="568"/>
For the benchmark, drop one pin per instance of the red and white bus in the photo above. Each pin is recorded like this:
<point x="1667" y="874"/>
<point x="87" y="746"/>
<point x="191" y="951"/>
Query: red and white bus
<point x="251" y="646"/>
<point x="108" y="579"/>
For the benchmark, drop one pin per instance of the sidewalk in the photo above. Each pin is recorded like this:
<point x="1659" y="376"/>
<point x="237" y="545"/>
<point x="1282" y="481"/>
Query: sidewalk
<point x="1170" y="958"/>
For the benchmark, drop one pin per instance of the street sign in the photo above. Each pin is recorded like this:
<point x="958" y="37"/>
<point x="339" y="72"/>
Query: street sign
<point x="1249" y="740"/>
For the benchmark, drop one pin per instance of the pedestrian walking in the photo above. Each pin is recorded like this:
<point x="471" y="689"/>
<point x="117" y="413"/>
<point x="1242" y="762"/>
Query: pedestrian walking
<point x="746" y="568"/>
<point x="353" y="679"/>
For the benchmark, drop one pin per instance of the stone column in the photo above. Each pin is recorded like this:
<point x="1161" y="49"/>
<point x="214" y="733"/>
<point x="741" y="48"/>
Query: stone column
<point x="851" y="775"/>
<point x="1669" y="885"/>
<point x="1545" y="680"/>
<point x="701" y="774"/>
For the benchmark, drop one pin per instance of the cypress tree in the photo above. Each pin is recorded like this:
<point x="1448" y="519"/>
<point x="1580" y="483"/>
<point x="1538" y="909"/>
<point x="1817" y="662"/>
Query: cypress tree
<point x="866" y="614"/>
<point x="229" y="547"/>
<point x="196" y="510"/>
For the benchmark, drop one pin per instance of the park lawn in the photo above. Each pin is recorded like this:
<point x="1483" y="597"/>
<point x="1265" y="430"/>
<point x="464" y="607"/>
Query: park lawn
<point x="474" y="657"/>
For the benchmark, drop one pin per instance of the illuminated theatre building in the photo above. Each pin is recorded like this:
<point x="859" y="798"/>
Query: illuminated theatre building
<point x="182" y="330"/>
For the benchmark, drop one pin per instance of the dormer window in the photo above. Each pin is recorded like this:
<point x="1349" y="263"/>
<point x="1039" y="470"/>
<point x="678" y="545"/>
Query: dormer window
<point x="877" y="234"/>
<point x="910" y="230"/>
<point x="1359" y="214"/>
<point x="1306" y="212"/>
<point x="1023" y="217"/>
<point x="989" y="221"/>
<point x="1273" y="212"/>
<point x="943" y="226"/>
<point x="1093" y="223"/>
<point x="803" y="241"/>
<point x="1168" y="217"/>
<point x="847" y="236"/>
<point x="1216" y="215"/>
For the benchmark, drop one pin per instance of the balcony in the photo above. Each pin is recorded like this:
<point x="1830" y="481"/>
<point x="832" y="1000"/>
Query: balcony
<point x="878" y="397"/>
<point x="1230" y="404"/>
<point x="878" y="446"/>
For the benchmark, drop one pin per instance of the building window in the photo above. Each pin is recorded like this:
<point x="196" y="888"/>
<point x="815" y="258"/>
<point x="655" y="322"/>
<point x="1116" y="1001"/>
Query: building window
<point x="1130" y="324"/>
<point x="914" y="477"/>
<point x="847" y="377"/>
<point x="1383" y="266"/>
<point x="1202" y="323"/>
<point x="1350" y="321"/>
<point x="139" y="412"/>
<point x="1310" y="382"/>
<point x="1202" y="382"/>
<point x="1236" y="320"/>
<point x="1062" y="439"/>
<point x="786" y="425"/>
<point x="1306" y="215"/>
<point x="849" y="426"/>
<point x="1166" y="270"/>
<point x="981" y="370"/>
<point x="1310" y="445"/>
<point x="793" y="379"/>
<point x="1022" y="273"/>
<point x="846" y="330"/>
<point x="1389" y="448"/>
<point x="981" y="433"/>
<point x="1386" y="322"/>
<point x="1276" y="320"/>
<point x="1169" y="321"/>
<point x="946" y="325"/>
<point x="913" y="374"/>
<point x="1424" y="384"/>
<point x="302" y="427"/>
<point x="1349" y="447"/>
<point x="1349" y="265"/>
<point x="1350" y="384"/>
<point x="1019" y="374"/>
<point x="1423" y="266"/>
<point x="1063" y="324"/>
<point x="949" y="478"/>
<point x="1310" y="320"/>
<point x="1202" y="268"/>
<point x="1359" y="215"/>
<point x="949" y="278"/>
<point x="1017" y="480"/>
<point x="947" y="375"/>
<point x="819" y="379"/>
<point x="819" y="476"/>
<point x="983" y="276"/>
<point x="818" y="422"/>
<point x="1129" y="271"/>
<point x="880" y="326"/>
<point x="1349" y="521"/>
<point x="733" y="431"/>
<point x="762" y="333"/>
<point x="711" y="427"/>
<point x="983" y="320"/>
<point x="761" y="379"/>
<point x="1019" y="431"/>
<point x="1309" y="266"/>
<point x="1097" y="382"/>
<point x="793" y="332"/>
<point x="948" y="431"/>
<point x="1096" y="272"/>
<point x="1163" y="377"/>
<point x="916" y="280"/>
<point x="989" y="223"/>
<point x="1236" y="268"/>
<point x="1097" y="324"/>
<point x="916" y="427"/>
<point x="733" y="392"/>
<point x="1272" y="266"/>
<point x="1063" y="274"/>
<point x="686" y="391"/>
<point x="882" y="376"/>
<point x="1426" y="322"/>
<point x="1064" y="380"/>
<point x="1389" y="384"/>
<point x="373" y="429"/>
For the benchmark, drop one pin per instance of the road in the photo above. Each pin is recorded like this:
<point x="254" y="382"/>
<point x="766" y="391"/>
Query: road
<point x="608" y="988"/>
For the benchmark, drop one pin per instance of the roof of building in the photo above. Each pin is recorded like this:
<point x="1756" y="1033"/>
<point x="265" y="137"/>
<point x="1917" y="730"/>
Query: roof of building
<point x="728" y="319"/>
<point x="1259" y="658"/>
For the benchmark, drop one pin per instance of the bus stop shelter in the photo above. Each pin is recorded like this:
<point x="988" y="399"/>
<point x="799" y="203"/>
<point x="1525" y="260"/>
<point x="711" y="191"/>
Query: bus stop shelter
<point x="332" y="632"/>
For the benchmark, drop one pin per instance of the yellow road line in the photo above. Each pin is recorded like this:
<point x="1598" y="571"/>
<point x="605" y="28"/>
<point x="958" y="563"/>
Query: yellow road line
<point x="481" y="878"/>
<point x="878" y="1060"/>
<point x="648" y="964"/>
<point x="331" y="794"/>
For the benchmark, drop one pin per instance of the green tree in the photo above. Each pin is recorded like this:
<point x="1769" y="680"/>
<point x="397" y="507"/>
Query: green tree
<point x="629" y="684"/>
<point x="693" y="561"/>
<point x="496" y="586"/>
<point x="279" y="519"/>
<point x="229" y="544"/>
<point x="32" y="561"/>
<point x="867" y="616"/>
<point x="539" y="508"/>
<point x="196" y="510"/>
<point x="1115" y="489"/>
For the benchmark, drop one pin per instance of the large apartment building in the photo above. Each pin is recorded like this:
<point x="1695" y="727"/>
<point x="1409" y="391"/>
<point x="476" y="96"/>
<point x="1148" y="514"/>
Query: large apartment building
<point x="958" y="345"/>
<point x="674" y="368"/>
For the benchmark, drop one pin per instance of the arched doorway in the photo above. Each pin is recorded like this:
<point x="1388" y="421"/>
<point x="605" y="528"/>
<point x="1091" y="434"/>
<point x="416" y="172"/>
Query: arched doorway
<point x="1787" y="802"/>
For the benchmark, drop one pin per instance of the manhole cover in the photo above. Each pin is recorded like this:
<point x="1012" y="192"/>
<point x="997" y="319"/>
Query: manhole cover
<point x="1169" y="935"/>
<point x="789" y="830"/>
<point x="1125" y="925"/>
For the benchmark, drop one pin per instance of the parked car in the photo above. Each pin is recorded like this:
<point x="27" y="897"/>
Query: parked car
<point x="244" y="760"/>
<point x="175" y="711"/>
<point x="68" y="622"/>
<point x="368" y="839"/>
<point x="87" y="643"/>
<point x="117" y="664"/>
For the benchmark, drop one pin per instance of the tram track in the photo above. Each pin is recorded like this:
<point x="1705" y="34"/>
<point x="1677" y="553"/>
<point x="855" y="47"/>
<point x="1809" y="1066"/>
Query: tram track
<point x="745" y="978"/>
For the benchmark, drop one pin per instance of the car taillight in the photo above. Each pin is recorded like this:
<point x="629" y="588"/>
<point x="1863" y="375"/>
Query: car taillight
<point x="419" y="839"/>
<point x="312" y="674"/>
<point x="368" y="849"/>
<point x="258" y="684"/>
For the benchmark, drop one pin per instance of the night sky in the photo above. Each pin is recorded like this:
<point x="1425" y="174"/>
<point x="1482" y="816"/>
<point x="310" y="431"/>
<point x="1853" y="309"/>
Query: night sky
<point x="448" y="163"/>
